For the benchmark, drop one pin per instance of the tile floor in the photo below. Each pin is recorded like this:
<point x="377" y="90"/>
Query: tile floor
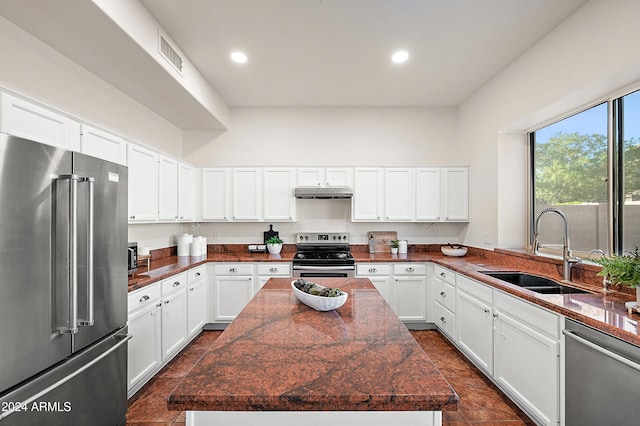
<point x="481" y="403"/>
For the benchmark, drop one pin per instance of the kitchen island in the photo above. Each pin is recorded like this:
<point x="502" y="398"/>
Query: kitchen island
<point x="281" y="363"/>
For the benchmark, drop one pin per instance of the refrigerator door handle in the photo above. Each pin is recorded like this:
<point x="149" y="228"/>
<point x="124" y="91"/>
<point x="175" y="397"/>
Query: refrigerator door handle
<point x="89" y="320"/>
<point x="71" y="325"/>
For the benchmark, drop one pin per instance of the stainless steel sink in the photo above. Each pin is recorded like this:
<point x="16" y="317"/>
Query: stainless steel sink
<point x="534" y="283"/>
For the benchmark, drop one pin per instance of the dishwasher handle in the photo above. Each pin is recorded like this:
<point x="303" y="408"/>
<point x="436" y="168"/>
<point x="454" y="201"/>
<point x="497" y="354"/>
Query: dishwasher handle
<point x="601" y="350"/>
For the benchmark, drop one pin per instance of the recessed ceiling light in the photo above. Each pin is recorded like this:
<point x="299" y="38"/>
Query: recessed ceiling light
<point x="239" y="57"/>
<point x="400" y="56"/>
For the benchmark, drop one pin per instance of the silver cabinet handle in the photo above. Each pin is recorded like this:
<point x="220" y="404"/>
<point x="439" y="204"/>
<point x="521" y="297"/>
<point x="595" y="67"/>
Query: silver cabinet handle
<point x="373" y="270"/>
<point x="486" y="311"/>
<point x="191" y="289"/>
<point x="443" y="294"/>
<point x="409" y="269"/>
<point x="144" y="298"/>
<point x="166" y="302"/>
<point x="443" y="319"/>
<point x="273" y="269"/>
<point x="197" y="274"/>
<point x="233" y="269"/>
<point x="176" y="284"/>
<point x="443" y="275"/>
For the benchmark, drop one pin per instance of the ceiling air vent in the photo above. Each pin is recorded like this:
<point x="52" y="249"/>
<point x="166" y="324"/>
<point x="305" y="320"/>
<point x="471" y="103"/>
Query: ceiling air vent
<point x="170" y="54"/>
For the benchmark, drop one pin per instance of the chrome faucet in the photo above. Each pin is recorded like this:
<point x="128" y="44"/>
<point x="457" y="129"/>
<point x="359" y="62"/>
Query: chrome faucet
<point x="567" y="258"/>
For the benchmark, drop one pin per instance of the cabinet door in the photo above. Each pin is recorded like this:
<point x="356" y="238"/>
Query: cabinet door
<point x="174" y="323"/>
<point x="143" y="184"/>
<point x="279" y="202"/>
<point x="231" y="296"/>
<point x="101" y="144"/>
<point x="456" y="194"/>
<point x="197" y="308"/>
<point x="29" y="120"/>
<point x="186" y="183"/>
<point x="399" y="194"/>
<point x="144" y="355"/>
<point x="247" y="194"/>
<point x="527" y="367"/>
<point x="339" y="176"/>
<point x="428" y="194"/>
<point x="474" y="320"/>
<point x="310" y="176"/>
<point x="167" y="189"/>
<point x="383" y="287"/>
<point x="216" y="194"/>
<point x="367" y="196"/>
<point x="410" y="298"/>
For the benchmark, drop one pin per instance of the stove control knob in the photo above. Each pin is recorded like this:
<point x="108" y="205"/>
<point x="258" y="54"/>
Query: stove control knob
<point x="301" y="237"/>
<point x="334" y="237"/>
<point x="306" y="237"/>
<point x="344" y="237"/>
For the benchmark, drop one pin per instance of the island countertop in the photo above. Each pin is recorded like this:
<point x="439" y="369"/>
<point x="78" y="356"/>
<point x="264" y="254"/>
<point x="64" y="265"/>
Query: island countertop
<point x="279" y="354"/>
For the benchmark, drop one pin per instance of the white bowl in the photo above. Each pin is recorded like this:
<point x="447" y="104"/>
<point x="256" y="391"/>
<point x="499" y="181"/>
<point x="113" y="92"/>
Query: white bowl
<point x="320" y="303"/>
<point x="448" y="251"/>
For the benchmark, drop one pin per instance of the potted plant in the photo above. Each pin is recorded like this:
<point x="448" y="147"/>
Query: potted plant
<point x="274" y="245"/>
<point x="622" y="270"/>
<point x="394" y="246"/>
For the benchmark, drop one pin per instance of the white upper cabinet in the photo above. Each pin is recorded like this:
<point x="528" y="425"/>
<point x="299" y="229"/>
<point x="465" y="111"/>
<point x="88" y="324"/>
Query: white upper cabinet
<point x="399" y="194"/>
<point x="104" y="145"/>
<point x="29" y="120"/>
<point x="247" y="194"/>
<point x="428" y="200"/>
<point x="456" y="194"/>
<point x="279" y="202"/>
<point x="216" y="194"/>
<point x="143" y="183"/>
<point x="167" y="189"/>
<point x="325" y="176"/>
<point x="186" y="186"/>
<point x="366" y="204"/>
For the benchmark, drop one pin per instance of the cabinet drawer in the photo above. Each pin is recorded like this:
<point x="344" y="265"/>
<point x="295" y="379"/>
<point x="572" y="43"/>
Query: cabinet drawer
<point x="275" y="269"/>
<point x="409" y="269"/>
<point x="196" y="273"/>
<point x="444" y="274"/>
<point x="372" y="269"/>
<point x="143" y="297"/>
<point x="234" y="269"/>
<point x="537" y="318"/>
<point x="474" y="288"/>
<point x="174" y="283"/>
<point x="445" y="294"/>
<point x="444" y="319"/>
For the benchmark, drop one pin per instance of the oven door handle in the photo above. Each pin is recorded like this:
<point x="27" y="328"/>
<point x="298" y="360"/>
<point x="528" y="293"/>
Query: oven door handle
<point x="322" y="268"/>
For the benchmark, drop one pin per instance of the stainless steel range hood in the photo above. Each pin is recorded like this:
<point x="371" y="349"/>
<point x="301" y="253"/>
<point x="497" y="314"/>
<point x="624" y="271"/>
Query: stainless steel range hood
<point x="324" y="192"/>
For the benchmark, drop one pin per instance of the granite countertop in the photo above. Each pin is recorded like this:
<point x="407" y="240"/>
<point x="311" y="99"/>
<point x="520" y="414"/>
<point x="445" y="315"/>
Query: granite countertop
<point x="279" y="354"/>
<point x="605" y="312"/>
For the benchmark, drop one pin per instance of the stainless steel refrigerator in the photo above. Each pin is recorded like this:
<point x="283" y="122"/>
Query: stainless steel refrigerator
<point x="63" y="287"/>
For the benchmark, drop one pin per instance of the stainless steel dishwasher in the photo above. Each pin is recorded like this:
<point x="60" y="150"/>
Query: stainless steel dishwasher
<point x="602" y="378"/>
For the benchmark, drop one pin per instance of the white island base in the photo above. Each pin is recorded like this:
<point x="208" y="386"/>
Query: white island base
<point x="314" y="418"/>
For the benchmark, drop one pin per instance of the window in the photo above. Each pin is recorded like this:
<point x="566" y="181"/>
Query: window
<point x="572" y="172"/>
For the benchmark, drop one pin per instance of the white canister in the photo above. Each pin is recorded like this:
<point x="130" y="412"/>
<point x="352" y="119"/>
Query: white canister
<point x="195" y="248"/>
<point x="184" y="243"/>
<point x="402" y="247"/>
<point x="203" y="245"/>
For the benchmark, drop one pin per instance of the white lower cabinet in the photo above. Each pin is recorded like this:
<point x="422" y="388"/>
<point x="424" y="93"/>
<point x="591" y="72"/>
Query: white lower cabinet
<point x="145" y="326"/>
<point x="379" y="274"/>
<point x="269" y="270"/>
<point x="527" y="357"/>
<point x="174" y="315"/>
<point x="409" y="291"/>
<point x="474" y="322"/>
<point x="196" y="300"/>
<point x="233" y="287"/>
<point x="444" y="300"/>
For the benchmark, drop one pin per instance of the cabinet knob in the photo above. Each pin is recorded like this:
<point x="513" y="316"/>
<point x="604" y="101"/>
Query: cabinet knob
<point x="443" y="275"/>
<point x="197" y="274"/>
<point x="486" y="311"/>
<point x="495" y="315"/>
<point x="159" y="305"/>
<point x="443" y="294"/>
<point x="144" y="298"/>
<point x="132" y="217"/>
<point x="443" y="319"/>
<point x="191" y="289"/>
<point x="166" y="302"/>
<point x="176" y="284"/>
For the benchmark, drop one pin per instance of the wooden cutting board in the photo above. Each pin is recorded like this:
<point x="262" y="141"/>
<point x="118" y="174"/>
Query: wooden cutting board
<point x="382" y="240"/>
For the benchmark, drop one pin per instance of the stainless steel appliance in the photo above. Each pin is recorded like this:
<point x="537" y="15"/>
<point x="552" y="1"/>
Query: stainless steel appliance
<point x="602" y="378"/>
<point x="132" y="257"/>
<point x="63" y="287"/>
<point x="323" y="255"/>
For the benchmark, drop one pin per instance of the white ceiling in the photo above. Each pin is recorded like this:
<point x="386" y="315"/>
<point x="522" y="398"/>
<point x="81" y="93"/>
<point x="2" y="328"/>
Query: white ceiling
<point x="305" y="53"/>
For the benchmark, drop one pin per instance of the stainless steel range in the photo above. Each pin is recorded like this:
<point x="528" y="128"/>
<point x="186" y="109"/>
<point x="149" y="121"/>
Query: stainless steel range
<point x="323" y="255"/>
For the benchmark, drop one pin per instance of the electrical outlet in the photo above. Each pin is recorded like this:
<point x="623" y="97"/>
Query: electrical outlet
<point x="216" y="236"/>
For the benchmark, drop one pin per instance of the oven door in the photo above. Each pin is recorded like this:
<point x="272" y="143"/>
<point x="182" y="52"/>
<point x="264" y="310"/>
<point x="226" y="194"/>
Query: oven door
<point x="343" y="271"/>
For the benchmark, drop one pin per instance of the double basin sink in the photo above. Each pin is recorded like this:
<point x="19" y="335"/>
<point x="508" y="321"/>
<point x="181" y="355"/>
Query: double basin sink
<point x="534" y="283"/>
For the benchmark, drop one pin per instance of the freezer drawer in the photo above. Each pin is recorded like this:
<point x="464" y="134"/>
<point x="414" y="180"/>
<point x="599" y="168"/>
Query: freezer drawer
<point x="89" y="388"/>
